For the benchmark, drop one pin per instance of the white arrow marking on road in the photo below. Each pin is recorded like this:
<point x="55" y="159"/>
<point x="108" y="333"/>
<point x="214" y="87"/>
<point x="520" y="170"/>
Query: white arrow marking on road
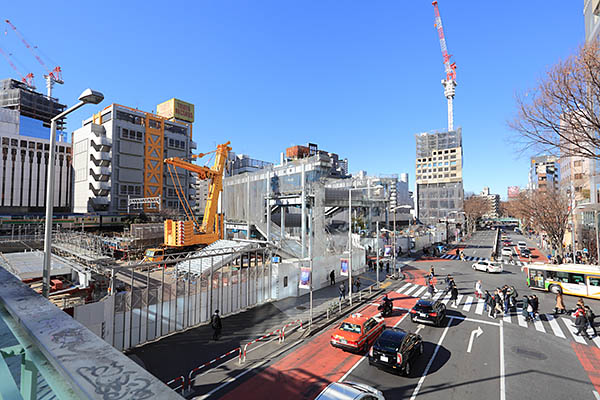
<point x="477" y="331"/>
<point x="419" y="327"/>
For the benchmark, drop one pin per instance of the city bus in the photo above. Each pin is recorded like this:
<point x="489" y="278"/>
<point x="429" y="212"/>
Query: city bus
<point x="574" y="279"/>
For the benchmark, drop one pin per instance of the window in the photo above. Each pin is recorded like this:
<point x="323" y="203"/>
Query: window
<point x="171" y="143"/>
<point x="32" y="145"/>
<point x="5" y="141"/>
<point x="594" y="281"/>
<point x="123" y="189"/>
<point x="576" y="279"/>
<point x="38" y="145"/>
<point x="107" y="117"/>
<point x="46" y="147"/>
<point x="154" y="124"/>
<point x="452" y="162"/>
<point x="452" y="168"/>
<point x="139" y="135"/>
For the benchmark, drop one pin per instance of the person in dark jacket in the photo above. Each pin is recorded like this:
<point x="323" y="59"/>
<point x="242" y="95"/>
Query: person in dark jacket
<point x="581" y="322"/>
<point x="454" y="295"/>
<point x="535" y="304"/>
<point x="491" y="303"/>
<point x="215" y="323"/>
<point x="332" y="278"/>
<point x="342" y="291"/>
<point x="525" y="305"/>
<point x="486" y="300"/>
<point x="589" y="314"/>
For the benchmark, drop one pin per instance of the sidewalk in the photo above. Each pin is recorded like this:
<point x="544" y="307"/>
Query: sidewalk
<point x="178" y="354"/>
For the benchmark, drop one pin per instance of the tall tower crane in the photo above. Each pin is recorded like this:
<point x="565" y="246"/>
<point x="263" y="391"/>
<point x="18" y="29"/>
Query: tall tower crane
<point x="52" y="76"/>
<point x="26" y="79"/>
<point x="450" y="82"/>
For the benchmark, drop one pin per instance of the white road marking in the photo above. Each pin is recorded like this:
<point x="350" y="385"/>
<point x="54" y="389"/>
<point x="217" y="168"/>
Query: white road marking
<point x="554" y="325"/>
<point x="479" y="308"/>
<point x="475" y="332"/>
<point x="446" y="298"/>
<point x="457" y="303"/>
<point x="419" y="292"/>
<point x="437" y="348"/>
<point x="596" y="395"/>
<point x="502" y="368"/>
<point x="411" y="289"/>
<point x="596" y="340"/>
<point x="571" y="328"/>
<point x="403" y="287"/>
<point x="366" y="355"/>
<point x="538" y="325"/>
<point x="419" y="328"/>
<point x="468" y="304"/>
<point x="506" y="318"/>
<point x="521" y="318"/>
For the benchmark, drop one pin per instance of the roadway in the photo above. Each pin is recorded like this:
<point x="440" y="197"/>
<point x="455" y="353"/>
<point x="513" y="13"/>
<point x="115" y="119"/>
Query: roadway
<point x="509" y="359"/>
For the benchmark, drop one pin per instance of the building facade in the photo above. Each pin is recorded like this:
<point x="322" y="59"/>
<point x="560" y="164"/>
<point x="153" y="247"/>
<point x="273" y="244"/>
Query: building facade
<point x="493" y="202"/>
<point x="25" y="142"/>
<point x="438" y="174"/>
<point x="118" y="154"/>
<point x="544" y="173"/>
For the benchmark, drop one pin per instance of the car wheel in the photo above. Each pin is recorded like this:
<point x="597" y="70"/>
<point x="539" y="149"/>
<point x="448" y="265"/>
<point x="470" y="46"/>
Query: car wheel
<point x="473" y="268"/>
<point x="487" y="270"/>
<point x="407" y="368"/>
<point x="555" y="289"/>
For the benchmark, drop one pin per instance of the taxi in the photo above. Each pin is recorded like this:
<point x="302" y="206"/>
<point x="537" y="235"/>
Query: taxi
<point x="356" y="332"/>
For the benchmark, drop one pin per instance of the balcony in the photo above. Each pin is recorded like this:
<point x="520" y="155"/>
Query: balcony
<point x="59" y="357"/>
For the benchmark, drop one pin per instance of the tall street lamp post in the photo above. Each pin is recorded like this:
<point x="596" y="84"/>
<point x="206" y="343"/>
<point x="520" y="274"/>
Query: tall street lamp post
<point x="88" y="96"/>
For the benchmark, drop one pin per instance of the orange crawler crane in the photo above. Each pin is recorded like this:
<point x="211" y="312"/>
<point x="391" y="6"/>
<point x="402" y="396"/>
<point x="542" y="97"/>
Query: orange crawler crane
<point x="189" y="233"/>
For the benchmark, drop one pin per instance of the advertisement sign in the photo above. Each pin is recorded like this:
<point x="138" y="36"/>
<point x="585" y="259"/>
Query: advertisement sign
<point x="175" y="108"/>
<point x="344" y="266"/>
<point x="304" y="278"/>
<point x="387" y="250"/>
<point x="513" y="192"/>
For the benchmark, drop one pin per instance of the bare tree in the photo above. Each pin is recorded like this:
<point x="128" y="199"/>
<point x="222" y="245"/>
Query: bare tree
<point x="475" y="208"/>
<point x="560" y="116"/>
<point x="547" y="211"/>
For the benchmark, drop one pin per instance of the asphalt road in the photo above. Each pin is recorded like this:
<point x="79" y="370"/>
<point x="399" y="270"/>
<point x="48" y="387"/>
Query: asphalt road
<point x="471" y="357"/>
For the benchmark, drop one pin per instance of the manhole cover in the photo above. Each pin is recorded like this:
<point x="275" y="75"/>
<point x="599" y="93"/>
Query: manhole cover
<point x="300" y="308"/>
<point x="531" y="354"/>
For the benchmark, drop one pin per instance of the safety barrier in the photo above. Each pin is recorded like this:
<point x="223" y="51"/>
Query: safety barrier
<point x="179" y="378"/>
<point x="282" y="335"/>
<point x="242" y="356"/>
<point x="206" y="364"/>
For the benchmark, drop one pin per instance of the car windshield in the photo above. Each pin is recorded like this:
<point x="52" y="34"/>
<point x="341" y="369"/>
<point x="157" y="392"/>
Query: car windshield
<point x="149" y="253"/>
<point x="388" y="345"/>
<point x="348" y="327"/>
<point x="423" y="307"/>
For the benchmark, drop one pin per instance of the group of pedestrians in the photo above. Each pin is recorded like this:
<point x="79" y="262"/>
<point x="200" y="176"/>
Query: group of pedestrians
<point x="501" y="301"/>
<point x="584" y="318"/>
<point x="342" y="289"/>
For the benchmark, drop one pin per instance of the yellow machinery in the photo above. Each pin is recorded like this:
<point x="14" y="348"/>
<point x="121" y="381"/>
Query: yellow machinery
<point x="179" y="234"/>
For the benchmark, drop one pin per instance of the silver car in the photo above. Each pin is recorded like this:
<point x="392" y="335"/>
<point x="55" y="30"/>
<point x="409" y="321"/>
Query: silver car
<point x="350" y="391"/>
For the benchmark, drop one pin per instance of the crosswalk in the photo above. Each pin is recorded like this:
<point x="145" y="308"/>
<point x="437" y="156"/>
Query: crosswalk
<point x="562" y="327"/>
<point x="518" y="263"/>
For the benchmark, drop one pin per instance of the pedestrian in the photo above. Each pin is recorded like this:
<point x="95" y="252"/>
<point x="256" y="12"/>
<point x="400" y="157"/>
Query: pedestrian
<point x="559" y="308"/>
<point x="342" y="291"/>
<point x="581" y="322"/>
<point x="357" y="283"/>
<point x="506" y="302"/>
<point x="486" y="300"/>
<point x="431" y="271"/>
<point x="332" y="278"/>
<point x="498" y="299"/>
<point x="589" y="314"/>
<point x="478" y="292"/>
<point x="430" y="288"/>
<point x="457" y="252"/>
<point x="525" y="307"/>
<point x="514" y="295"/>
<point x="535" y="304"/>
<point x="387" y="267"/>
<point x="215" y="323"/>
<point x="492" y="306"/>
<point x="454" y="295"/>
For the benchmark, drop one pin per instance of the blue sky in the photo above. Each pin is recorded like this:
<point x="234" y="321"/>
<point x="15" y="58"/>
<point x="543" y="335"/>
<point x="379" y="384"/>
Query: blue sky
<point x="358" y="78"/>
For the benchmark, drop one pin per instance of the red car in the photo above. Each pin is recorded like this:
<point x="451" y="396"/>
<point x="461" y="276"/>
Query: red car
<point x="357" y="332"/>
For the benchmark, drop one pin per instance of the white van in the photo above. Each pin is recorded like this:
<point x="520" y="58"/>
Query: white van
<point x="522" y="245"/>
<point x="507" y="252"/>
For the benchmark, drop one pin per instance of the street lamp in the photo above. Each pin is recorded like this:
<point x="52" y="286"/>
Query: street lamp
<point x="350" y="234"/>
<point x="88" y="96"/>
<point x="394" y="211"/>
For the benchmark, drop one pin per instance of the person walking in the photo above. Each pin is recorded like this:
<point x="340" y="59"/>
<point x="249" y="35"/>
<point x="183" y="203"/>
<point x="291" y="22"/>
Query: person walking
<point x="215" y="323"/>
<point x="342" y="291"/>
<point x="525" y="306"/>
<point x="430" y="288"/>
<point x="589" y="314"/>
<point x="486" y="300"/>
<point x="559" y="307"/>
<point x="535" y="304"/>
<point x="478" y="292"/>
<point x="332" y="278"/>
<point x="357" y="284"/>
<point x="499" y="302"/>
<point x="491" y="305"/>
<point x="581" y="322"/>
<point x="431" y="272"/>
<point x="506" y="301"/>
<point x="454" y="295"/>
<point x="514" y="295"/>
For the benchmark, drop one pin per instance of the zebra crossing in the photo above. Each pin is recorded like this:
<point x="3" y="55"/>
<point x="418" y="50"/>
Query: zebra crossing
<point x="469" y="258"/>
<point x="562" y="327"/>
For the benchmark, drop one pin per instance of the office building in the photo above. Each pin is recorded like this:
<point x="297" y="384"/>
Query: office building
<point x="544" y="173"/>
<point x="118" y="154"/>
<point x="439" y="181"/>
<point x="492" y="201"/>
<point x="25" y="141"/>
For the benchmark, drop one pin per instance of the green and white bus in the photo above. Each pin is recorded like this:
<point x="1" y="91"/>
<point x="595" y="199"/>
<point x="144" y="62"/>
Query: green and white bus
<point x="574" y="279"/>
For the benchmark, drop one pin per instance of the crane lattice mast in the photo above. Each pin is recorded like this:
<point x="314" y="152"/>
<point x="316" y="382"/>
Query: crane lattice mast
<point x="450" y="82"/>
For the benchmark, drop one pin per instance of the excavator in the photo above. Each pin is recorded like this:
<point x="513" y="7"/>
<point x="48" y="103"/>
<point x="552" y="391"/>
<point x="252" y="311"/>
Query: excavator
<point x="190" y="233"/>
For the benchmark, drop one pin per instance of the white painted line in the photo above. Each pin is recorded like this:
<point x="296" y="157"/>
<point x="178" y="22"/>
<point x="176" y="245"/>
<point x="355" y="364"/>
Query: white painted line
<point x="521" y="318"/>
<point x="419" y="292"/>
<point x="437" y="348"/>
<point x="458" y="299"/>
<point x="573" y="329"/>
<point x="366" y="355"/>
<point x="410" y="289"/>
<point x="479" y="308"/>
<point x="403" y="287"/>
<point x="468" y="304"/>
<point x="438" y="295"/>
<point x="596" y="395"/>
<point x="446" y="298"/>
<point x="596" y="340"/>
<point x="502" y="368"/>
<point x="554" y="325"/>
<point x="538" y="325"/>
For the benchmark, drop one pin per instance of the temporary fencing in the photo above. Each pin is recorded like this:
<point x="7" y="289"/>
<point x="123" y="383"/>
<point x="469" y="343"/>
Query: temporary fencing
<point x="242" y="357"/>
<point x="206" y="364"/>
<point x="282" y="335"/>
<point x="178" y="379"/>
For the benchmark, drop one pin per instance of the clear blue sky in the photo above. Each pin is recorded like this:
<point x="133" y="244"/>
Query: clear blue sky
<point x="358" y="78"/>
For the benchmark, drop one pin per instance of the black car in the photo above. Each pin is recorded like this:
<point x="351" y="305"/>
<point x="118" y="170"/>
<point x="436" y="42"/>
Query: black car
<point x="525" y="253"/>
<point x="428" y="311"/>
<point x="395" y="349"/>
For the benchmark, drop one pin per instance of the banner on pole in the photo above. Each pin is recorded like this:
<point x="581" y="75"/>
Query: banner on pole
<point x="344" y="267"/>
<point x="304" y="278"/>
<point x="387" y="250"/>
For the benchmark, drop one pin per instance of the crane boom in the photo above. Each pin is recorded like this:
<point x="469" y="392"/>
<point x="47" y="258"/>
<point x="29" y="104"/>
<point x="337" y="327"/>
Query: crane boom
<point x="189" y="233"/>
<point x="26" y="79"/>
<point x="450" y="82"/>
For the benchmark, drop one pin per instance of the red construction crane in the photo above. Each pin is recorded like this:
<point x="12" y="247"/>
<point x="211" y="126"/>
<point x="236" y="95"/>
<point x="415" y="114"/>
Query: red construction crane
<point x="52" y="76"/>
<point x="26" y="79"/>
<point x="450" y="82"/>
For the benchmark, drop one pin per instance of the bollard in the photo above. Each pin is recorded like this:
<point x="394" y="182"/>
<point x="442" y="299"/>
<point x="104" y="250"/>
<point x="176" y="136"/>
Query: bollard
<point x="370" y="287"/>
<point x="328" y="314"/>
<point x="340" y="304"/>
<point x="360" y="295"/>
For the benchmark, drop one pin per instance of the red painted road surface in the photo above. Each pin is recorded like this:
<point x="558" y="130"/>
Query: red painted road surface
<point x="589" y="357"/>
<point x="304" y="373"/>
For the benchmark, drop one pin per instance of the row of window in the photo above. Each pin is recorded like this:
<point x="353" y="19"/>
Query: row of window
<point x="33" y="145"/>
<point x="178" y="144"/>
<point x="438" y="176"/>
<point x="439" y="155"/>
<point x="131" y="134"/>
<point x="130" y="189"/>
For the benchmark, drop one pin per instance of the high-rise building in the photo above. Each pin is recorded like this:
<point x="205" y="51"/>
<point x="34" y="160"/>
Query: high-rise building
<point x="25" y="141"/>
<point x="118" y="154"/>
<point x="492" y="201"/>
<point x="544" y="173"/>
<point x="438" y="174"/>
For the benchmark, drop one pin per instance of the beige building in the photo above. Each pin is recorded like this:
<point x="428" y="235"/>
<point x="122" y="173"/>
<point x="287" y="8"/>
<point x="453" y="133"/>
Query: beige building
<point x="493" y="202"/>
